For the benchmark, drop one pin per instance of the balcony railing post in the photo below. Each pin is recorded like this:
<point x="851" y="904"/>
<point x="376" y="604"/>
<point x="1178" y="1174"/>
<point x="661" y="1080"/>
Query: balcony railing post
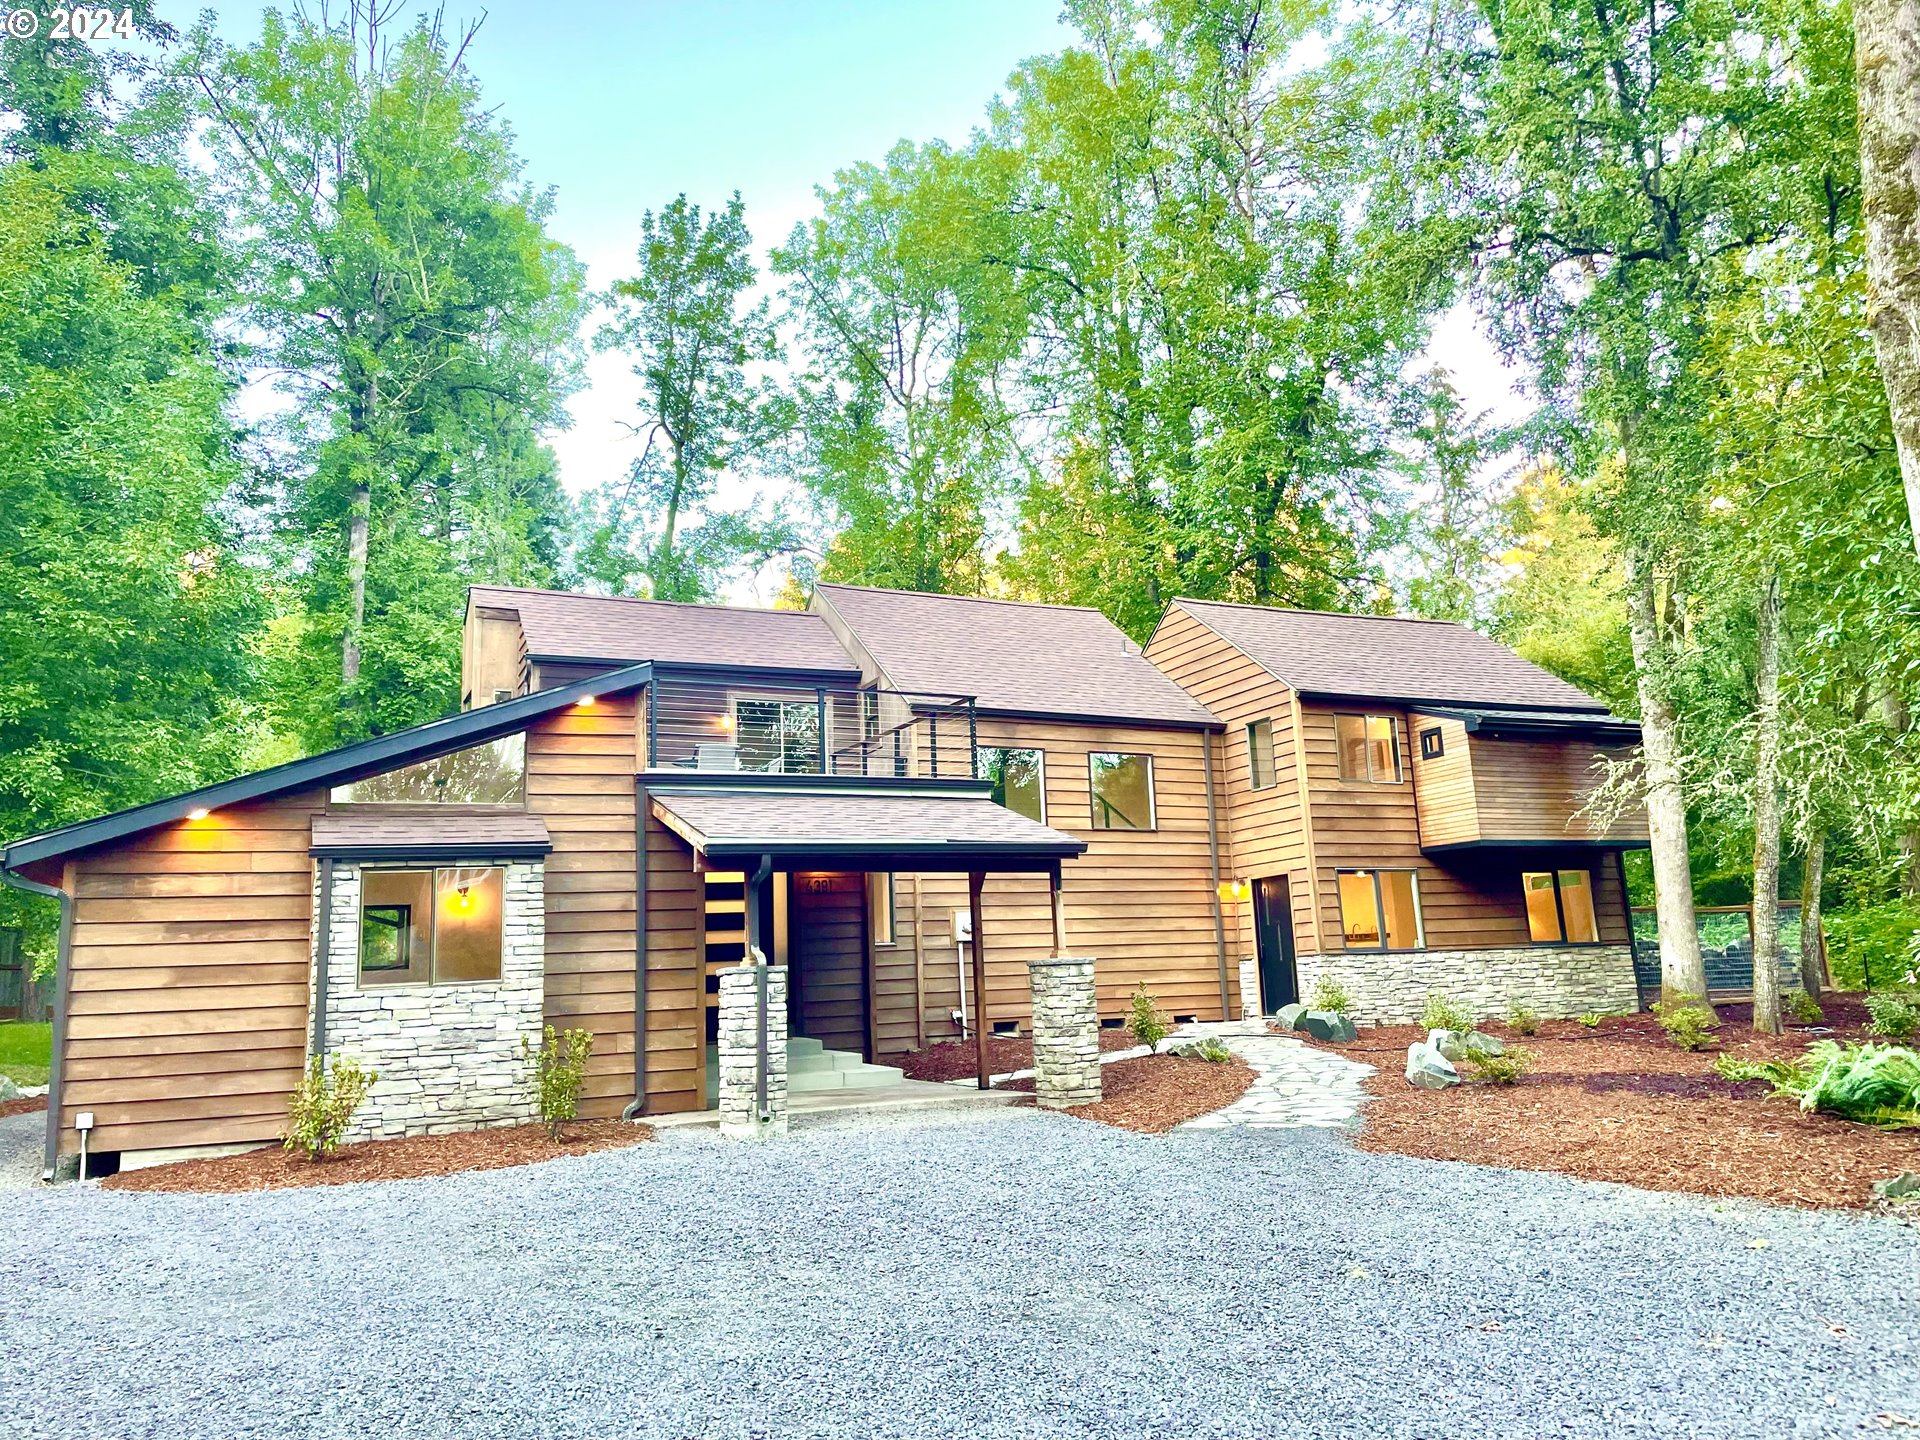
<point x="820" y="705"/>
<point x="933" y="741"/>
<point x="973" y="743"/>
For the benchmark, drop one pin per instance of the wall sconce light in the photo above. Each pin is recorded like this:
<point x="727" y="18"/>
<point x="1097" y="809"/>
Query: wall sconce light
<point x="199" y="814"/>
<point x="1232" y="892"/>
<point x="585" y="702"/>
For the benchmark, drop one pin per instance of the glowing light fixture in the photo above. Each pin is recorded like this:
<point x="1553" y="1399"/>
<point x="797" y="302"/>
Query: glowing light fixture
<point x="198" y="814"/>
<point x="585" y="702"/>
<point x="465" y="900"/>
<point x="1234" y="891"/>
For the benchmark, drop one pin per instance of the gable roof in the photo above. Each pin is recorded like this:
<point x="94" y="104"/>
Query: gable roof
<point x="1386" y="657"/>
<point x="332" y="767"/>
<point x="558" y="625"/>
<point x="1012" y="656"/>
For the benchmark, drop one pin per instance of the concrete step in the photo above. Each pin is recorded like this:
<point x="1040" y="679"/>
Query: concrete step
<point x="858" y="1077"/>
<point x="821" y="1060"/>
<point x="803" y="1045"/>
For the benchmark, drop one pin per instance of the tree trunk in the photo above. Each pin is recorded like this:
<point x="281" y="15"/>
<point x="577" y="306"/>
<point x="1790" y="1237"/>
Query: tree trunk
<point x="1682" y="971"/>
<point x="1813" y="944"/>
<point x="1896" y="717"/>
<point x="357" y="516"/>
<point x="1766" y="814"/>
<point x="1887" y="61"/>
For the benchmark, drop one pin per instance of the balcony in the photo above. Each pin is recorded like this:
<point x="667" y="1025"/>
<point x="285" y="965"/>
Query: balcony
<point x="728" y="723"/>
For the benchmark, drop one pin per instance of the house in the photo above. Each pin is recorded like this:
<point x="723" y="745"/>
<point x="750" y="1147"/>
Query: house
<point x="902" y="799"/>
<point x="1406" y="802"/>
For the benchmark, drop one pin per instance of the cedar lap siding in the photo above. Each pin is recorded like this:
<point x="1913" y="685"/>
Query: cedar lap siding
<point x="1509" y="804"/>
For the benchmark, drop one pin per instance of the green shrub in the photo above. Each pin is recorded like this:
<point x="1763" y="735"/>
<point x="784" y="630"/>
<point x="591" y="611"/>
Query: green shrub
<point x="1783" y="1075"/>
<point x="1875" y="945"/>
<point x="324" y="1103"/>
<point x="1894" y="1015"/>
<point x="1802" y="1007"/>
<point x="559" y="1072"/>
<point x="1524" y="1019"/>
<point x="1443" y="1014"/>
<point x="1210" y="1049"/>
<point x="1688" y="1020"/>
<point x="1871" y="1084"/>
<point x="1147" y="1023"/>
<point x="1502" y="1069"/>
<point x="1592" y="1018"/>
<point x="1330" y="995"/>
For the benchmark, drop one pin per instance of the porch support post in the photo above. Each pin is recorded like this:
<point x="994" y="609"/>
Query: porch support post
<point x="975" y="879"/>
<point x="1066" y="1032"/>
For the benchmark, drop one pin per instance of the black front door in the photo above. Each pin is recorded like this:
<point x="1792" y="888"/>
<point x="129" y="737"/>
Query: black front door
<point x="1273" y="940"/>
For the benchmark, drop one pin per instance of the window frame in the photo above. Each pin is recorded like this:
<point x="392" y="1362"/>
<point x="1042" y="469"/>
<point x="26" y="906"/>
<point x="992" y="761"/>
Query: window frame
<point x="432" y="979"/>
<point x="1273" y="768"/>
<point x="1438" y="745"/>
<point x="1039" y="775"/>
<point x="1560" y="907"/>
<point x="1374" y="872"/>
<point x="343" y="794"/>
<point x="783" y="703"/>
<point x="1093" y="794"/>
<point x="1366" y="748"/>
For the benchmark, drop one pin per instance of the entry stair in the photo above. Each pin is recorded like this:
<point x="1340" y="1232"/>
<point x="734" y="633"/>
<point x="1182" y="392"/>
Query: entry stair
<point x="811" y="1068"/>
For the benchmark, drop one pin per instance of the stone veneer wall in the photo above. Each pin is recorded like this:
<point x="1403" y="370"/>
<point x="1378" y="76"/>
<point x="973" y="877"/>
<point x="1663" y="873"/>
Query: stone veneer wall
<point x="1066" y="1032"/>
<point x="739" y="1047"/>
<point x="448" y="1056"/>
<point x="1250" y="988"/>
<point x="1558" y="981"/>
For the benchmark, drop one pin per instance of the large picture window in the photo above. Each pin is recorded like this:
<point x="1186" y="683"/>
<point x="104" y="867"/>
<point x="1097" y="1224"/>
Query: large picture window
<point x="1260" y="753"/>
<point x="781" y="737"/>
<point x="490" y="774"/>
<point x="1122" y="790"/>
<point x="1369" y="747"/>
<point x="1560" y="908"/>
<point x="1380" y="910"/>
<point x="1017" y="777"/>
<point x="430" y="927"/>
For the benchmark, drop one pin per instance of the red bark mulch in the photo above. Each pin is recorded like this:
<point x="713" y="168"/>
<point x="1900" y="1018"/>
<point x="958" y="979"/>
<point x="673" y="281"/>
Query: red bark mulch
<point x="1151" y="1094"/>
<point x="955" y="1059"/>
<point x="1622" y="1103"/>
<point x="413" y="1158"/>
<point x="26" y="1105"/>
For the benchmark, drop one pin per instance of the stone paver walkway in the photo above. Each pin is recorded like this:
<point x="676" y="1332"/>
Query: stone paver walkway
<point x="1296" y="1085"/>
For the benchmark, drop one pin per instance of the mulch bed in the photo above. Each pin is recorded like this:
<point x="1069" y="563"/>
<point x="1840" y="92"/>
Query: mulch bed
<point x="410" y="1159"/>
<point x="26" y="1105"/>
<point x="1153" y="1093"/>
<point x="955" y="1059"/>
<point x="1622" y="1103"/>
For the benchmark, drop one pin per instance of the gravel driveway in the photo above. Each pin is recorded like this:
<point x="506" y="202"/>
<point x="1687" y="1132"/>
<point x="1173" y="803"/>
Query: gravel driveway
<point x="984" y="1275"/>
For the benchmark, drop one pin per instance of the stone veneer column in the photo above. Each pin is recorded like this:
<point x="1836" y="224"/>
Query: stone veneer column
<point x="1249" y="988"/>
<point x="1066" y="1032"/>
<point x="739" y="1052"/>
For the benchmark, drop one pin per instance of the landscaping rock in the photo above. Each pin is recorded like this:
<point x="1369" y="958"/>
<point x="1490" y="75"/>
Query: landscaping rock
<point x="1287" y="1017"/>
<point x="1447" y="1043"/>
<point x="1478" y="1042"/>
<point x="1428" y="1069"/>
<point x="9" y="1090"/>
<point x="1904" y="1186"/>
<point x="1328" y="1025"/>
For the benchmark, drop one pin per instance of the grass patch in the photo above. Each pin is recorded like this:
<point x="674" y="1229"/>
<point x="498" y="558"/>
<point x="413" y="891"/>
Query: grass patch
<point x="26" y="1051"/>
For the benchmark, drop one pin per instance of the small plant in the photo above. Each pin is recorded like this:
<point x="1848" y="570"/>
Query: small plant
<point x="1524" y="1019"/>
<point x="559" y="1073"/>
<point x="1329" y="994"/>
<point x="1894" y="1016"/>
<point x="1688" y="1020"/>
<point x="324" y="1103"/>
<point x="1872" y="1084"/>
<point x="1592" y="1018"/>
<point x="1444" y="1014"/>
<point x="1210" y="1049"/>
<point x="1502" y="1069"/>
<point x="1147" y="1023"/>
<point x="1802" y="1007"/>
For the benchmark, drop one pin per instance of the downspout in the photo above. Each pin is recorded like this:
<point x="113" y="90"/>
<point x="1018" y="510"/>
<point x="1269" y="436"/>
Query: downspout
<point x="758" y="958"/>
<point x="1213" y="865"/>
<point x="322" y="954"/>
<point x="62" y="963"/>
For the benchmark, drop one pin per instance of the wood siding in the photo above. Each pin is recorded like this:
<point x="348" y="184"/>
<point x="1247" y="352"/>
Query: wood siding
<point x="827" y="916"/>
<point x="492" y="655"/>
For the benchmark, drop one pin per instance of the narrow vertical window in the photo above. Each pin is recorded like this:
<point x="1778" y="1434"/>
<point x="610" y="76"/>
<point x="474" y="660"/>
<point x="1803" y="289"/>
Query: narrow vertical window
<point x="1260" y="753"/>
<point x="1350" y="737"/>
<point x="880" y="901"/>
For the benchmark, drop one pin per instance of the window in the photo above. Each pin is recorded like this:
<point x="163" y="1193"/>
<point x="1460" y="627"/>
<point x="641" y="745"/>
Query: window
<point x="1017" y="778"/>
<point x="1260" y="753"/>
<point x="1122" y="790"/>
<point x="781" y="737"/>
<point x="1369" y="748"/>
<point x="430" y="927"/>
<point x="1560" y="907"/>
<point x="1432" y="744"/>
<point x="1374" y="903"/>
<point x="880" y="907"/>
<point x="491" y="774"/>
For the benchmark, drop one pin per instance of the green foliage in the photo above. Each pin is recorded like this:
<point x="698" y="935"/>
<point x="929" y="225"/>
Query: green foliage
<point x="1592" y="1018"/>
<point x="26" y="1051"/>
<point x="1688" y="1020"/>
<point x="1442" y="1013"/>
<point x="1524" y="1019"/>
<point x="1870" y="1084"/>
<point x="1330" y="995"/>
<point x="1502" y="1069"/>
<point x="558" y="1071"/>
<point x="1895" y="1016"/>
<point x="1874" y="945"/>
<point x="1802" y="1007"/>
<point x="1147" y="1023"/>
<point x="324" y="1103"/>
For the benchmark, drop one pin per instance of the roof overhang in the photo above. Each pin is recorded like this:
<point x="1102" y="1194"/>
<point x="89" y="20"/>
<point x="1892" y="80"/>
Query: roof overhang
<point x="1536" y="724"/>
<point x="371" y="833"/>
<point x="954" y="826"/>
<point x="333" y="767"/>
<point x="1554" y="842"/>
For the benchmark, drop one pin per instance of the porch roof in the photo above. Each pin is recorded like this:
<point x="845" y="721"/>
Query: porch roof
<point x="447" y="832"/>
<point x="954" y="828"/>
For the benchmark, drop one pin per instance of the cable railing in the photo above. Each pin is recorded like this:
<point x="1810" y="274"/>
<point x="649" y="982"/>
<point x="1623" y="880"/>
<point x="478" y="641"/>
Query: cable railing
<point x="716" y="723"/>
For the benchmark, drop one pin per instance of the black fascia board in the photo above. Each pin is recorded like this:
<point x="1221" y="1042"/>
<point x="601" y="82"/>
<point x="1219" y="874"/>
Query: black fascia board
<point x="1542" y="725"/>
<point x="927" y="855"/>
<point x="332" y="767"/>
<point x="1548" y="845"/>
<point x="434" y="850"/>
<point x="704" y="669"/>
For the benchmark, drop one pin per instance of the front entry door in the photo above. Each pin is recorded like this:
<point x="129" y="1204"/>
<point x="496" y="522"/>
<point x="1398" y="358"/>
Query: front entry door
<point x="1273" y="941"/>
<point x="827" y="976"/>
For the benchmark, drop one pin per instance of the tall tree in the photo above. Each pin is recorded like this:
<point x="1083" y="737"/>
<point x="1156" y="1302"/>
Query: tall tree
<point x="685" y="320"/>
<point x="1454" y="526"/>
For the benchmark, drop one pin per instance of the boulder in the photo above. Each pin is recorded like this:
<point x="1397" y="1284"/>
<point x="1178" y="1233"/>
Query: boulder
<point x="1328" y="1025"/>
<point x="9" y="1090"/>
<point x="1478" y="1042"/>
<point x="1447" y="1043"/>
<point x="1287" y="1017"/>
<point x="1904" y="1186"/>
<point x="1428" y="1069"/>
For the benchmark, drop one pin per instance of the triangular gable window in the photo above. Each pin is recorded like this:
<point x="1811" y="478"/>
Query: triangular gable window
<point x="490" y="774"/>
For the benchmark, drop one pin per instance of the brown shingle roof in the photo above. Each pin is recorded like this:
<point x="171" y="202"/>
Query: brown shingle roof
<point x="1012" y="655"/>
<point x="928" y="826"/>
<point x="1384" y="657"/>
<point x="614" y="628"/>
<point x="395" y="833"/>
